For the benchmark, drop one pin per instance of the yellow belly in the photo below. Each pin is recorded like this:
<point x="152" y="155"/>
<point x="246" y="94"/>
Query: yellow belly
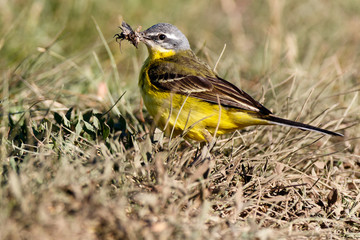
<point x="179" y="114"/>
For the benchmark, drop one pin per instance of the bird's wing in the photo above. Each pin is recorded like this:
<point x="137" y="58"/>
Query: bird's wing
<point x="188" y="81"/>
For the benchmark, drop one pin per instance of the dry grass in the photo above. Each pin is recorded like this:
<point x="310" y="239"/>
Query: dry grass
<point x="70" y="172"/>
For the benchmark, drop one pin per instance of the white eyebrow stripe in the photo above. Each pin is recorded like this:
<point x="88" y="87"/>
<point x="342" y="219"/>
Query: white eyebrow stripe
<point x="171" y="36"/>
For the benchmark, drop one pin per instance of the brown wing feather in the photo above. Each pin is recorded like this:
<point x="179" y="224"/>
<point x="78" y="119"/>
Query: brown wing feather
<point x="232" y="96"/>
<point x="168" y="76"/>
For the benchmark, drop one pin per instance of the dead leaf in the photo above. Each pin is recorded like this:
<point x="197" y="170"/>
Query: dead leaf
<point x="332" y="197"/>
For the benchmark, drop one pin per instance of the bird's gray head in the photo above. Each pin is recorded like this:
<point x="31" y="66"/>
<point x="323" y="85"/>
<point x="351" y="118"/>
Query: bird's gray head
<point x="166" y="36"/>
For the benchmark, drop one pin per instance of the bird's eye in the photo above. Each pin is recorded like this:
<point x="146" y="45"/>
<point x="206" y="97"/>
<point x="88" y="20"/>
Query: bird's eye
<point x="162" y="36"/>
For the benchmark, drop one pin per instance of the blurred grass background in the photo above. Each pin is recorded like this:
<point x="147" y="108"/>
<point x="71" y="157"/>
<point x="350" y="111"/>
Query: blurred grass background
<point x="260" y="38"/>
<point x="93" y="180"/>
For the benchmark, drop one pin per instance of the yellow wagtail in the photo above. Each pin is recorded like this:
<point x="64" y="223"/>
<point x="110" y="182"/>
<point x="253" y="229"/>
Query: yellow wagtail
<point x="185" y="96"/>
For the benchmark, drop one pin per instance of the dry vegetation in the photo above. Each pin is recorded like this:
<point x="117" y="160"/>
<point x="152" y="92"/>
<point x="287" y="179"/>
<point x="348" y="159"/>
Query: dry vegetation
<point x="72" y="170"/>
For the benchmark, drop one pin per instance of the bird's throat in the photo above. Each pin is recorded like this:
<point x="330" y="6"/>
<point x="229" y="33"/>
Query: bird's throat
<point x="156" y="52"/>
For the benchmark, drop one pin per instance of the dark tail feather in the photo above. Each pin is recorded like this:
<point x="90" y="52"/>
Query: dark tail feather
<point x="302" y="126"/>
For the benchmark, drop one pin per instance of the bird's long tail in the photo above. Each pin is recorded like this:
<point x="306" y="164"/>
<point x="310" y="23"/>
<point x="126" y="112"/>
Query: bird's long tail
<point x="302" y="126"/>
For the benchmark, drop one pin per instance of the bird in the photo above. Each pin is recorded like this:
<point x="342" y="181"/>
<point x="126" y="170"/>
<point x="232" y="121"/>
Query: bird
<point x="186" y="97"/>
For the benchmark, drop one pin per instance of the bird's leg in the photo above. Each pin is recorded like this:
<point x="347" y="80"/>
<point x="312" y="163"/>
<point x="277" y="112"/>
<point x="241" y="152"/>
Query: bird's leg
<point x="209" y="139"/>
<point x="206" y="148"/>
